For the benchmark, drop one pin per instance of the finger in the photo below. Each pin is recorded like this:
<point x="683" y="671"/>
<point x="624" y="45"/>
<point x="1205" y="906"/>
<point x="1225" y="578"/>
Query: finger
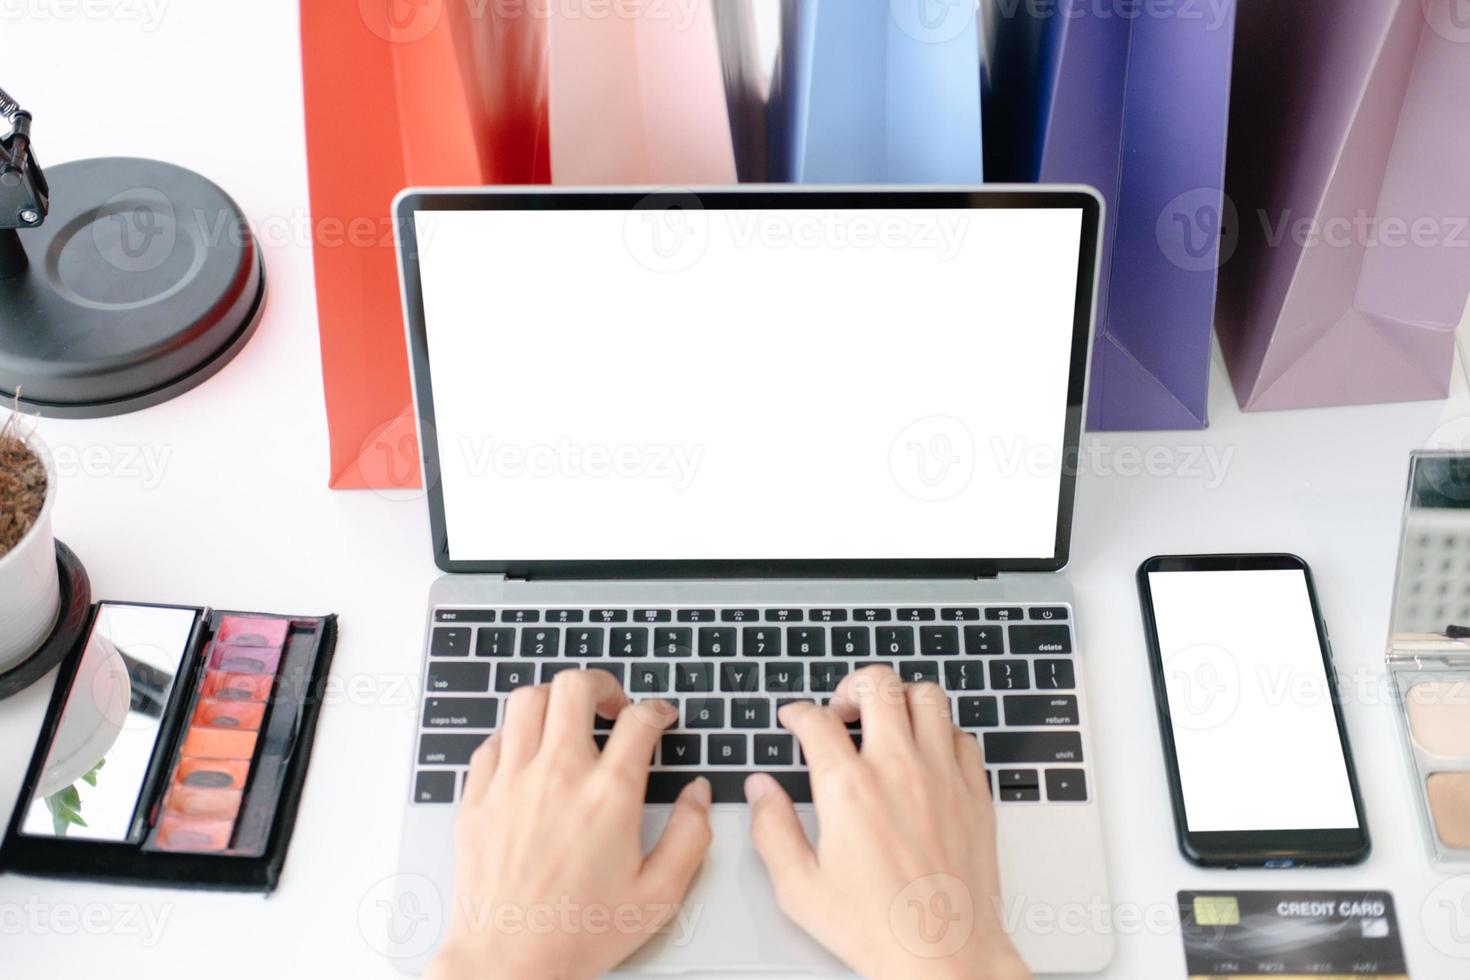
<point x="671" y="865"/>
<point x="971" y="760"/>
<point x="577" y="696"/>
<point x="823" y="738"/>
<point x="780" y="840"/>
<point x="634" y="737"/>
<point x="932" y="724"/>
<point x="482" y="770"/>
<point x="877" y="695"/>
<point x="525" y="714"/>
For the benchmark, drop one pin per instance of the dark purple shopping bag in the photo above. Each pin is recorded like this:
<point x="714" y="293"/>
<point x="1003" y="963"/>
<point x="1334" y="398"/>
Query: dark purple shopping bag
<point x="1131" y="97"/>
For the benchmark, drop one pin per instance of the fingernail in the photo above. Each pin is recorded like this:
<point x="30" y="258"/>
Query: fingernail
<point x="757" y="787"/>
<point x="699" y="792"/>
<point x="667" y="708"/>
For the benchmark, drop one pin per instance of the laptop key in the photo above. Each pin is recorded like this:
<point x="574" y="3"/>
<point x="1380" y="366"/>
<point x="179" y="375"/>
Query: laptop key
<point x="727" y="750"/>
<point x="704" y="713"/>
<point x="1020" y="794"/>
<point x="673" y="642"/>
<point x="962" y="676"/>
<point x="959" y="614"/>
<point x="850" y="641"/>
<point x="750" y="713"/>
<point x="629" y="642"/>
<point x="549" y="671"/>
<point x="762" y="641"/>
<point x="1066" y="785"/>
<point x="433" y="787"/>
<point x="1055" y="675"/>
<point x="679" y="750"/>
<point x="918" y="671"/>
<point x="1003" y="614"/>
<point x="717" y="641"/>
<point x="470" y="678"/>
<point x="510" y="676"/>
<point x="827" y="615"/>
<point x="1041" y="638"/>
<point x="1009" y="675"/>
<point x="788" y="615"/>
<point x="564" y="615"/>
<point x="979" y="713"/>
<point x="740" y="615"/>
<point x="726" y="785"/>
<point x="460" y="712"/>
<point x="609" y="668"/>
<point x="464" y="615"/>
<point x="785" y="678"/>
<point x="540" y="641"/>
<point x="584" y="642"/>
<point x="695" y="678"/>
<point x="520" y="616"/>
<point x="984" y="640"/>
<point x="1033" y="747"/>
<point x="917" y="615"/>
<point x="1039" y="710"/>
<point x="608" y="615"/>
<point x="773" y="750"/>
<point x="871" y="615"/>
<point x="1047" y="613"/>
<point x="827" y="675"/>
<point x="450" y="641"/>
<point x="806" y="641"/>
<point x="1018" y="777"/>
<point x="783" y="702"/>
<point x="739" y="678"/>
<point x="696" y="615"/>
<point x="650" y="679"/>
<point x="652" y="615"/>
<point x="939" y="641"/>
<point x="448" y="750"/>
<point x="491" y="642"/>
<point x="895" y="641"/>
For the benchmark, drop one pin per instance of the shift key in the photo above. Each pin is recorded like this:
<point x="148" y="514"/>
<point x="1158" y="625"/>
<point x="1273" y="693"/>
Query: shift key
<point x="1004" y="748"/>
<point x="469" y="677"/>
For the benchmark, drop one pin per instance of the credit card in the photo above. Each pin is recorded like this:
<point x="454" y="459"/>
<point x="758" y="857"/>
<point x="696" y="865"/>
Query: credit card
<point x="1244" y="935"/>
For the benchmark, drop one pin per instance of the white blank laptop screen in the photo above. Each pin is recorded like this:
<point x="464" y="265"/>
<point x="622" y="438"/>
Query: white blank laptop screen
<point x="638" y="385"/>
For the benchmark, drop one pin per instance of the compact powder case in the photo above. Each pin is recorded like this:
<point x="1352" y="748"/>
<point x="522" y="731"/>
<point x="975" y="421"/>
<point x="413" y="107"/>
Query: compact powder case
<point x="1429" y="648"/>
<point x="175" y="749"/>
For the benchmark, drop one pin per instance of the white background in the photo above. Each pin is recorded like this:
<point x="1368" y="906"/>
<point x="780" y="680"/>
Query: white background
<point x="241" y="518"/>
<point x="1253" y="724"/>
<point x="796" y="361"/>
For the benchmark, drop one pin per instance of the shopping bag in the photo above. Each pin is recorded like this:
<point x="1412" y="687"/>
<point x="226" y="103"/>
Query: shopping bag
<point x="879" y="91"/>
<point x="636" y="95"/>
<point x="399" y="94"/>
<point x="1353" y="269"/>
<point x="1133" y="101"/>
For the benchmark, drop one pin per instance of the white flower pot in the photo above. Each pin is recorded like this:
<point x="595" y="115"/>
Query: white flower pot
<point x="30" y="589"/>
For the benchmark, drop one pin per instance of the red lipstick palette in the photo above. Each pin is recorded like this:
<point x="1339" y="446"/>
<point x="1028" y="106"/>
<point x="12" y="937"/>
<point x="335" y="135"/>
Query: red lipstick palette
<point x="175" y="749"/>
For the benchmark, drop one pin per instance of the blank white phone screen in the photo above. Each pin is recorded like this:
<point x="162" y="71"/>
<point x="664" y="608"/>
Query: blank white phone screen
<point x="789" y="384"/>
<point x="1254" y="727"/>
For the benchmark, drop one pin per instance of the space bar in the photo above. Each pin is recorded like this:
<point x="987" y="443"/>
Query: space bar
<point x="728" y="786"/>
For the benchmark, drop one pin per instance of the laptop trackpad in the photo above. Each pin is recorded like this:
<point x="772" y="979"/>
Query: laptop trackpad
<point x="730" y="920"/>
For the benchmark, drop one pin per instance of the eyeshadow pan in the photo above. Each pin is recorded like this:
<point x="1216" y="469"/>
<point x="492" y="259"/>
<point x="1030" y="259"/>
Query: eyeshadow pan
<point x="1449" y="802"/>
<point x="214" y="773"/>
<point x="244" y="659"/>
<point x="1439" y="716"/>
<point x="177" y="832"/>
<point x="219" y="743"/>
<point x="214" y="713"/>
<point x="253" y="631"/>
<point x="197" y="801"/>
<point x="237" y="687"/>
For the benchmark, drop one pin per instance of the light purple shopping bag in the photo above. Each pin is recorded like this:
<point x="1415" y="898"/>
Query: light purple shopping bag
<point x="1350" y="172"/>
<point x="1131" y="98"/>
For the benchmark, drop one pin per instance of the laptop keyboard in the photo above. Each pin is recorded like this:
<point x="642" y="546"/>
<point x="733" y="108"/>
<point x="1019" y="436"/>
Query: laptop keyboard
<point x="1008" y="670"/>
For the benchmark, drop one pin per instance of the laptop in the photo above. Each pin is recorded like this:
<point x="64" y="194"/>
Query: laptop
<point x="730" y="445"/>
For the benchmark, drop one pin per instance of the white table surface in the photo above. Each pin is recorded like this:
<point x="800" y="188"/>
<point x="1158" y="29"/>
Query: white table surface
<point x="235" y="512"/>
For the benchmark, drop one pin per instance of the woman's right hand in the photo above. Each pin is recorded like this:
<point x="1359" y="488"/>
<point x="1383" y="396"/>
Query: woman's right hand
<point x="903" y="883"/>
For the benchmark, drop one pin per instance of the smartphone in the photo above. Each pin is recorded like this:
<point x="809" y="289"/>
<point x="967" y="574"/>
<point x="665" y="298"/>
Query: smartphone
<point x="1249" y="712"/>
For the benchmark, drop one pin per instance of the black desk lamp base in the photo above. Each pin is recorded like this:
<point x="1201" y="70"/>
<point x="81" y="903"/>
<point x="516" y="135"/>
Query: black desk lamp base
<point x="143" y="282"/>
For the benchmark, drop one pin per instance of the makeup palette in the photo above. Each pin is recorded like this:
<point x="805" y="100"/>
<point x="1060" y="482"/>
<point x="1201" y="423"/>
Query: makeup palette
<point x="1429" y="648"/>
<point x="175" y="749"/>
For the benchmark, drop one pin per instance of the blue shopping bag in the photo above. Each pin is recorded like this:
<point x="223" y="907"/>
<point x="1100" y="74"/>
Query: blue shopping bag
<point x="877" y="91"/>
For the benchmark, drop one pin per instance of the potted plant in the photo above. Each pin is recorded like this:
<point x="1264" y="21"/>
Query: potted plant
<point x="30" y="588"/>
